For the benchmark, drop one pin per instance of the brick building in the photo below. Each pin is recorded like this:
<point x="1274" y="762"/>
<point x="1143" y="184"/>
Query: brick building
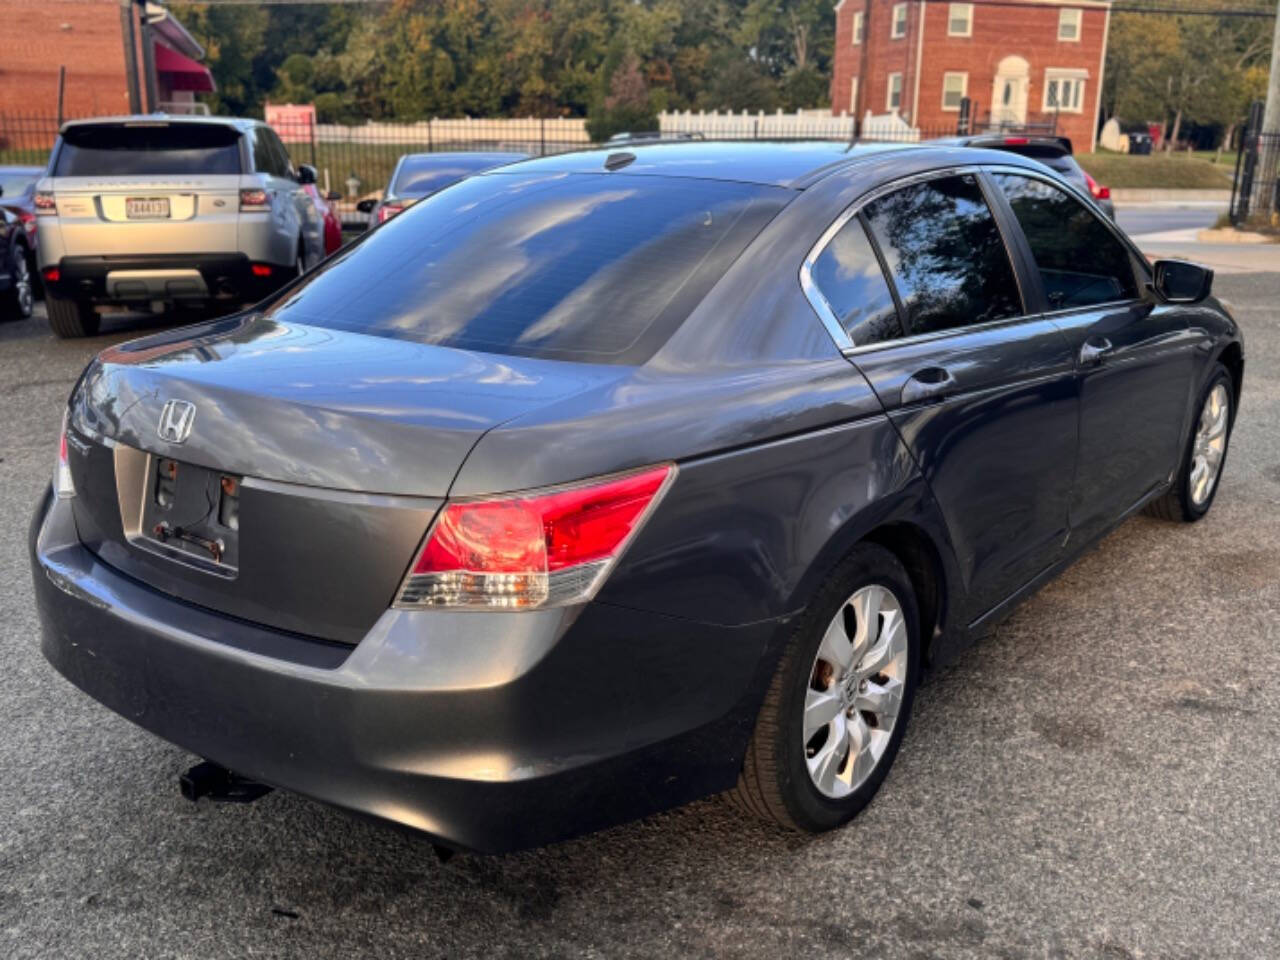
<point x="87" y="37"/>
<point x="1024" y="64"/>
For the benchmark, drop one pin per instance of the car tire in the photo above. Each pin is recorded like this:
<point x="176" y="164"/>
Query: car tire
<point x="782" y="771"/>
<point x="1190" y="498"/>
<point x="19" y="300"/>
<point x="71" y="318"/>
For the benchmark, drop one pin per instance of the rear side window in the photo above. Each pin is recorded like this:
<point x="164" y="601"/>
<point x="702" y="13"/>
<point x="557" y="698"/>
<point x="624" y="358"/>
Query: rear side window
<point x="591" y="267"/>
<point x="848" y="276"/>
<point x="945" y="254"/>
<point x="268" y="155"/>
<point x="1081" y="262"/>
<point x="148" y="149"/>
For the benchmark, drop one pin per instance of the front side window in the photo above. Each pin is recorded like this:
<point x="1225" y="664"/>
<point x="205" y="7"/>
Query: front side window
<point x="899" y="26"/>
<point x="1064" y="90"/>
<point x="893" y="99"/>
<point x="1069" y="24"/>
<point x="960" y="20"/>
<point x="857" y="27"/>
<point x="954" y="86"/>
<point x="848" y="276"/>
<point x="945" y="254"/>
<point x="1080" y="261"/>
<point x="598" y="268"/>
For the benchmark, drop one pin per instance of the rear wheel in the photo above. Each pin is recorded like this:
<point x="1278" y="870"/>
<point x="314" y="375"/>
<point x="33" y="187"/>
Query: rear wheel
<point x="1204" y="455"/>
<point x="71" y="318"/>
<point x="838" y="705"/>
<point x="19" y="299"/>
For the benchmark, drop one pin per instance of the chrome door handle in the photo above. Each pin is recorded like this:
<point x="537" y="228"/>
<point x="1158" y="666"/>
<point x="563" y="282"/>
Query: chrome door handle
<point x="1094" y="350"/>
<point x="931" y="383"/>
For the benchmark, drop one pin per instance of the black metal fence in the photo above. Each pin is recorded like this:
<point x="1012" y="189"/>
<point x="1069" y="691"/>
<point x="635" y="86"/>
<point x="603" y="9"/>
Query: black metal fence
<point x="1255" y="191"/>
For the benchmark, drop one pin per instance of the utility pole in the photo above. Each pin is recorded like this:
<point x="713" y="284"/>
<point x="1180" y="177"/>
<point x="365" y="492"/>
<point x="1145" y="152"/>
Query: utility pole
<point x="130" y="55"/>
<point x="1271" y="116"/>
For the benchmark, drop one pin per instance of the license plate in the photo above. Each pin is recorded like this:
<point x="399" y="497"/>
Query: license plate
<point x="193" y="511"/>
<point x="146" y="208"/>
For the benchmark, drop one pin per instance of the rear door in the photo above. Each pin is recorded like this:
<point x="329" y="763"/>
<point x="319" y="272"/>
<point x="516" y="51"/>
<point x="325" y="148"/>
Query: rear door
<point x="981" y="393"/>
<point x="147" y="187"/>
<point x="272" y="164"/>
<point x="1134" y="358"/>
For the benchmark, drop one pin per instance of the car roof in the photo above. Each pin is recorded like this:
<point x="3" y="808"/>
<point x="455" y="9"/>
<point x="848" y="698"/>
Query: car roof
<point x="792" y="164"/>
<point x="445" y="156"/>
<point x="23" y="170"/>
<point x="240" y="123"/>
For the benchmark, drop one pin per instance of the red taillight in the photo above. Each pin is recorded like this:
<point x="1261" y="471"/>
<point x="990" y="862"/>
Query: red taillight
<point x="44" y="202"/>
<point x="28" y="221"/>
<point x="1099" y="192"/>
<point x="255" y="201"/>
<point x="387" y="212"/>
<point x="261" y="269"/>
<point x="534" y="550"/>
<point x="1016" y="141"/>
<point x="51" y="274"/>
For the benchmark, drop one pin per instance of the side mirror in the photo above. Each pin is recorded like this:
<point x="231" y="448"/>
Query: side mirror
<point x="366" y="205"/>
<point x="1178" y="281"/>
<point x="333" y="196"/>
<point x="306" y="173"/>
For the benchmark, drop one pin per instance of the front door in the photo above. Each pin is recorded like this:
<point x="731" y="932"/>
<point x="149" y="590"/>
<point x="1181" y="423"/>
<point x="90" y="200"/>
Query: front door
<point x="982" y="395"/>
<point x="1134" y="359"/>
<point x="1009" y="92"/>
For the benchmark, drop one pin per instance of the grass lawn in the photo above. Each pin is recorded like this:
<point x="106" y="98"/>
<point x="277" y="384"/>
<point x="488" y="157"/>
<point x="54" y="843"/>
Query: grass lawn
<point x="1159" y="170"/>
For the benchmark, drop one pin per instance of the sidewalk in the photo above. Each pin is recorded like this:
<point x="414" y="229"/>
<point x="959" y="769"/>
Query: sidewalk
<point x="1223" y="257"/>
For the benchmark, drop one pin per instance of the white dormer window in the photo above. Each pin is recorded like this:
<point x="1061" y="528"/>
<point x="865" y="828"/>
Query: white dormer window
<point x="857" y="27"/>
<point x="899" y="26"/>
<point x="1069" y="24"/>
<point x="960" y="20"/>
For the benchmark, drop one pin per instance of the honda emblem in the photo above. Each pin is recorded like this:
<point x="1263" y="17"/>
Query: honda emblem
<point x="175" y="420"/>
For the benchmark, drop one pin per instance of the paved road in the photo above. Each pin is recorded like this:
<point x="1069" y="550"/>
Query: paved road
<point x="1138" y="220"/>
<point x="1098" y="779"/>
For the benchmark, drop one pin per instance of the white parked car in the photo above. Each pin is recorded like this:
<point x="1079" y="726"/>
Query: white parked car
<point x="149" y="211"/>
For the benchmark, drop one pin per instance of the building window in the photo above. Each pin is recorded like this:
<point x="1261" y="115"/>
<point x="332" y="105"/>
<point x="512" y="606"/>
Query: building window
<point x="1069" y="24"/>
<point x="960" y="20"/>
<point x="894" y="99"/>
<point x="955" y="86"/>
<point x="899" y="27"/>
<point x="853" y="96"/>
<point x="857" y="27"/>
<point x="1064" y="90"/>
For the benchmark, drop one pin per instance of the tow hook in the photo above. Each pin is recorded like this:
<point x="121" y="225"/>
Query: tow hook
<point x="208" y="779"/>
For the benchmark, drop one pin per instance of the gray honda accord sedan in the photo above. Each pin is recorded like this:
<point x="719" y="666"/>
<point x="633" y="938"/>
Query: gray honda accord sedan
<point x="605" y="481"/>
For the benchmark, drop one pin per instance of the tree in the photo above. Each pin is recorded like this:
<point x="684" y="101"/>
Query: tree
<point x="628" y="107"/>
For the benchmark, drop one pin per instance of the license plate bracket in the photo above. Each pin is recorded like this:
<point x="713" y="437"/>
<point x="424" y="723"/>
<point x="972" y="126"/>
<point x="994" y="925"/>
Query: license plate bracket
<point x="146" y="208"/>
<point x="192" y="514"/>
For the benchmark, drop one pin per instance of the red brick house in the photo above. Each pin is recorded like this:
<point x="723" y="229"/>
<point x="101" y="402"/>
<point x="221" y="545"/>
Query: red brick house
<point x="88" y="38"/>
<point x="1025" y="64"/>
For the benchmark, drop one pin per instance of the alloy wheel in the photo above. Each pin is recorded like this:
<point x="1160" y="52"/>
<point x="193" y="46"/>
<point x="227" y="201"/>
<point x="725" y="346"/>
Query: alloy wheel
<point x="1210" y="444"/>
<point x="855" y="691"/>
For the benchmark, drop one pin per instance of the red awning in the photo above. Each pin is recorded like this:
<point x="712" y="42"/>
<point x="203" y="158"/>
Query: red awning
<point x="183" y="72"/>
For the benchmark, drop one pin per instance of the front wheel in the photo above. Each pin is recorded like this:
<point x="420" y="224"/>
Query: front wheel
<point x="838" y="705"/>
<point x="1203" y="457"/>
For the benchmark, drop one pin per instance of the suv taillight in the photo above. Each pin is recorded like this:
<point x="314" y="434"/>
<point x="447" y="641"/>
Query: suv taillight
<point x="44" y="203"/>
<point x="28" y="221"/>
<point x="255" y="201"/>
<point x="385" y="213"/>
<point x="1099" y="192"/>
<point x="544" y="548"/>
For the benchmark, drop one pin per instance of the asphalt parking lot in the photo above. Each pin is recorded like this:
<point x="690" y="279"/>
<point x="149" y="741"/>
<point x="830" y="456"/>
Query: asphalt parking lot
<point x="1100" y="778"/>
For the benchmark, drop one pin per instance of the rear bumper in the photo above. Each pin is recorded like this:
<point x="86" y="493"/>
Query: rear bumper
<point x="489" y="732"/>
<point x="140" y="277"/>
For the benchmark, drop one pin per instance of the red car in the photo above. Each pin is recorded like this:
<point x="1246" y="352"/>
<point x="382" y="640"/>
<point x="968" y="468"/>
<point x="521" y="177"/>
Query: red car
<point x="324" y="207"/>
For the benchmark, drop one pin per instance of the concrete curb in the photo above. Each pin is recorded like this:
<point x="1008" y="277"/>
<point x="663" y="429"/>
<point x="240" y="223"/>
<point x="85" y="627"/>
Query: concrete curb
<point x="1123" y="195"/>
<point x="1230" y="235"/>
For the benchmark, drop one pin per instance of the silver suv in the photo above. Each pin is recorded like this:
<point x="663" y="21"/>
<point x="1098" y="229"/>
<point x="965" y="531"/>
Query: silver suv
<point x="150" y="211"/>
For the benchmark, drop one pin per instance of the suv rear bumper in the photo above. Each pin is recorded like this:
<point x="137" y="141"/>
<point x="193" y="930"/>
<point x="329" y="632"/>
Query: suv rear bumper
<point x="492" y="732"/>
<point x="141" y="277"/>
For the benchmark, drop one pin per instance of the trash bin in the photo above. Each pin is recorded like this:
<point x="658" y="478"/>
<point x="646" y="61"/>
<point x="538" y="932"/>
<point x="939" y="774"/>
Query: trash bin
<point x="1140" y="143"/>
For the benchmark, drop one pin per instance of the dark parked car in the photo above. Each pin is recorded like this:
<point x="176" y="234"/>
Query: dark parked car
<point x="17" y="195"/>
<point x="419" y="175"/>
<point x="1054" y="152"/>
<point x="606" y="481"/>
<point x="17" y="290"/>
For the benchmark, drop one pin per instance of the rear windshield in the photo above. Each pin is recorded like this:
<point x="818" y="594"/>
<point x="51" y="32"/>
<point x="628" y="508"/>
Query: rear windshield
<point x="148" y="150"/>
<point x="1054" y="159"/>
<point x="420" y="176"/>
<point x="591" y="267"/>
